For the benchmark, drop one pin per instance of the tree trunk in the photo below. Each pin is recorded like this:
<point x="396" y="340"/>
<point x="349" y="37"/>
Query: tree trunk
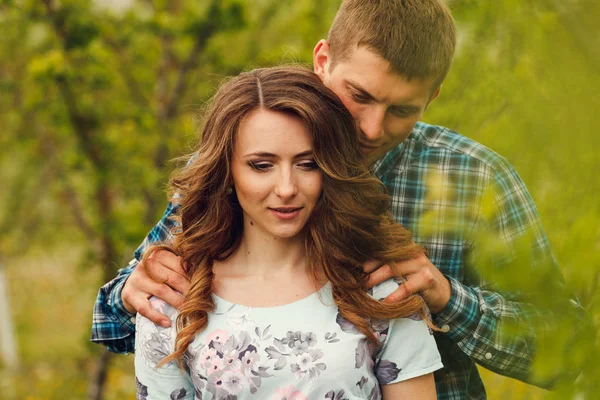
<point x="96" y="388"/>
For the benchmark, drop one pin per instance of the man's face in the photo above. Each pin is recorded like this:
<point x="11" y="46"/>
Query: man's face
<point x="385" y="105"/>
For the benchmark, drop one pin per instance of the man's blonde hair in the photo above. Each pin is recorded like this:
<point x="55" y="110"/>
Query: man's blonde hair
<point x="417" y="37"/>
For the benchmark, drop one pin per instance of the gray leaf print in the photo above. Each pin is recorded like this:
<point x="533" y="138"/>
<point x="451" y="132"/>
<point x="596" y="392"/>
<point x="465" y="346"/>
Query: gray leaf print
<point x="331" y="395"/>
<point x="266" y="331"/>
<point x="346" y="325"/>
<point x="178" y="394"/>
<point x="280" y="345"/>
<point x="280" y="364"/>
<point x="375" y="393"/>
<point x="380" y="325"/>
<point x="254" y="384"/>
<point x="331" y="337"/>
<point x="387" y="372"/>
<point x="362" y="382"/>
<point x="361" y="353"/>
<point x="141" y="390"/>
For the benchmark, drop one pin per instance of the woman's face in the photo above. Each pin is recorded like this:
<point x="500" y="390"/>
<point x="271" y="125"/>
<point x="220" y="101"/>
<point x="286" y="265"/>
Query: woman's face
<point x="275" y="176"/>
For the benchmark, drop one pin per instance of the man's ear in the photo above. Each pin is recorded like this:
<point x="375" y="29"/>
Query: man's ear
<point x="321" y="58"/>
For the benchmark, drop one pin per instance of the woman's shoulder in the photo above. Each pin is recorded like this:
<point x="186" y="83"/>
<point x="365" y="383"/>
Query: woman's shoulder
<point x="154" y="342"/>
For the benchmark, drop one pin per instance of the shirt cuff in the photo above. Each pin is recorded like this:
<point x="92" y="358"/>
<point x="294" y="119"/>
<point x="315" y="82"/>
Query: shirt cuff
<point x="459" y="318"/>
<point x="115" y="302"/>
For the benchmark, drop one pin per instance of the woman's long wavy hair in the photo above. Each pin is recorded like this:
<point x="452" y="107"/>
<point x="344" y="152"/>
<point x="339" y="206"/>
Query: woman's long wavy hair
<point x="351" y="222"/>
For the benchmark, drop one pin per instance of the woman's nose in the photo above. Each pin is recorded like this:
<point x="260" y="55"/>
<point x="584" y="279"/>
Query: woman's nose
<point x="286" y="186"/>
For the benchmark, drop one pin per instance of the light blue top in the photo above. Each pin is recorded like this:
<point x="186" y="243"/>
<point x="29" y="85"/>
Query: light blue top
<point x="302" y="350"/>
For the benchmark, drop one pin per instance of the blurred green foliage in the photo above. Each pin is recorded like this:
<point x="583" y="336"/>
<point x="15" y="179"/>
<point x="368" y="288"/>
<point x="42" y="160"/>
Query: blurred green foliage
<point x="96" y="97"/>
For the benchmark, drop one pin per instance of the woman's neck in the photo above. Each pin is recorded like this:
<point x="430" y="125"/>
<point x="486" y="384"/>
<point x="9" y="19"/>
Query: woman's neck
<point x="263" y="255"/>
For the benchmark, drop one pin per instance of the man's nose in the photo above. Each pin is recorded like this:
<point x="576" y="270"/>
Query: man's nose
<point x="286" y="187"/>
<point x="371" y="123"/>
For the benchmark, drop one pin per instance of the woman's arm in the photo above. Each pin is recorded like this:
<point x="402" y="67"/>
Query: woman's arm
<point x="419" y="388"/>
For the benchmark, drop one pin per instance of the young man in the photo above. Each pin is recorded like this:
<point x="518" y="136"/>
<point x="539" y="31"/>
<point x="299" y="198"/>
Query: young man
<point x="386" y="61"/>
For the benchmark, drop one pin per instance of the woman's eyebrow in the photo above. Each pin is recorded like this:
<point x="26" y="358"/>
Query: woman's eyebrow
<point x="261" y="154"/>
<point x="271" y="155"/>
<point x="304" y="154"/>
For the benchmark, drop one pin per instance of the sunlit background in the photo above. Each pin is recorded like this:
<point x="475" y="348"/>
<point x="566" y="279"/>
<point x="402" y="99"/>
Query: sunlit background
<point x="97" y="96"/>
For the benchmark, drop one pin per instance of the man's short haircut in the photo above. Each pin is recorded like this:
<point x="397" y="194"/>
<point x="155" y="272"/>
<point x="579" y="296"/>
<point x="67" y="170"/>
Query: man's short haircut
<point x="417" y="37"/>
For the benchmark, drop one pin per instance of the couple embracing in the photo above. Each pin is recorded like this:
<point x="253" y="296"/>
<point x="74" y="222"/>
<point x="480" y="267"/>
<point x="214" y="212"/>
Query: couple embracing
<point x="284" y="266"/>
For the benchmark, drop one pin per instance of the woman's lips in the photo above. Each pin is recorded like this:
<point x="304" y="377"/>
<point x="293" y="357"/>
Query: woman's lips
<point x="286" y="213"/>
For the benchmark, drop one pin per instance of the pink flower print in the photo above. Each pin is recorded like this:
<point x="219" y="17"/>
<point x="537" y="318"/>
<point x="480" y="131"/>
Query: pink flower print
<point x="233" y="382"/>
<point x="219" y="335"/>
<point x="215" y="366"/>
<point x="288" y="393"/>
<point x="207" y="357"/>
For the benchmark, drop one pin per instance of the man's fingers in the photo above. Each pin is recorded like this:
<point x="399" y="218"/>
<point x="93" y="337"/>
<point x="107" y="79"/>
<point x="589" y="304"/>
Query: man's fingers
<point x="169" y="260"/>
<point x="172" y="279"/>
<point x="413" y="284"/>
<point x="168" y="295"/>
<point x="381" y="274"/>
<point x="161" y="273"/>
<point x="408" y="267"/>
<point x="397" y="295"/>
<point x="371" y="266"/>
<point x="146" y="309"/>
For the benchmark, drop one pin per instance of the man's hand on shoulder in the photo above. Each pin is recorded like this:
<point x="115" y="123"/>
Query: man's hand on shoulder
<point x="419" y="275"/>
<point x="162" y="276"/>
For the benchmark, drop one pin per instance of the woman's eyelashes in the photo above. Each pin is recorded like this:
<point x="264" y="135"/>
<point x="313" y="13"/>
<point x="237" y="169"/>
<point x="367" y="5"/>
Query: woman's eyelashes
<point x="262" y="166"/>
<point x="308" y="165"/>
<point x="259" y="166"/>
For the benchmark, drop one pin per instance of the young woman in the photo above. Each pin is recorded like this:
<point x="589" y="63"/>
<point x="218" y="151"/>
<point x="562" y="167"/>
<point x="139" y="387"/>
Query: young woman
<point x="276" y="217"/>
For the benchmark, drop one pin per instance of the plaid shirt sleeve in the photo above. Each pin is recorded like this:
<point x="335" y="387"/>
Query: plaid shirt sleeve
<point x="479" y="318"/>
<point x="112" y="325"/>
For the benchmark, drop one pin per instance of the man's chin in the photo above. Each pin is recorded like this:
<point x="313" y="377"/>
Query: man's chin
<point x="370" y="158"/>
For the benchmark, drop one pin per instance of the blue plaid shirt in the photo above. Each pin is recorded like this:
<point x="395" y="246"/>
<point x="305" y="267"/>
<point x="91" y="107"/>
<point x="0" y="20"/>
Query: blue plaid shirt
<point x="440" y="183"/>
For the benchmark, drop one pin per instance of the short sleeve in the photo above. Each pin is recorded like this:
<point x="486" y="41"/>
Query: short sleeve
<point x="153" y="343"/>
<point x="409" y="348"/>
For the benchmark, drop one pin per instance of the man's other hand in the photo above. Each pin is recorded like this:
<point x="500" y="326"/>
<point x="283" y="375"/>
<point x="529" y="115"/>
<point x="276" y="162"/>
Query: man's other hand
<point x="162" y="276"/>
<point x="418" y="275"/>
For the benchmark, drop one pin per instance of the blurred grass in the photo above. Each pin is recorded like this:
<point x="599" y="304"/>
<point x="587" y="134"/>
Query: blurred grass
<point x="50" y="298"/>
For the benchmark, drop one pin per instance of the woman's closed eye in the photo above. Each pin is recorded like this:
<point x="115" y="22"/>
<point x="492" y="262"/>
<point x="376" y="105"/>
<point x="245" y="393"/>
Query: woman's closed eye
<point x="260" y="166"/>
<point x="308" y="165"/>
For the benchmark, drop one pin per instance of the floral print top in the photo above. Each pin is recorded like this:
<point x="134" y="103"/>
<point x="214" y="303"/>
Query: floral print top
<point x="303" y="350"/>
